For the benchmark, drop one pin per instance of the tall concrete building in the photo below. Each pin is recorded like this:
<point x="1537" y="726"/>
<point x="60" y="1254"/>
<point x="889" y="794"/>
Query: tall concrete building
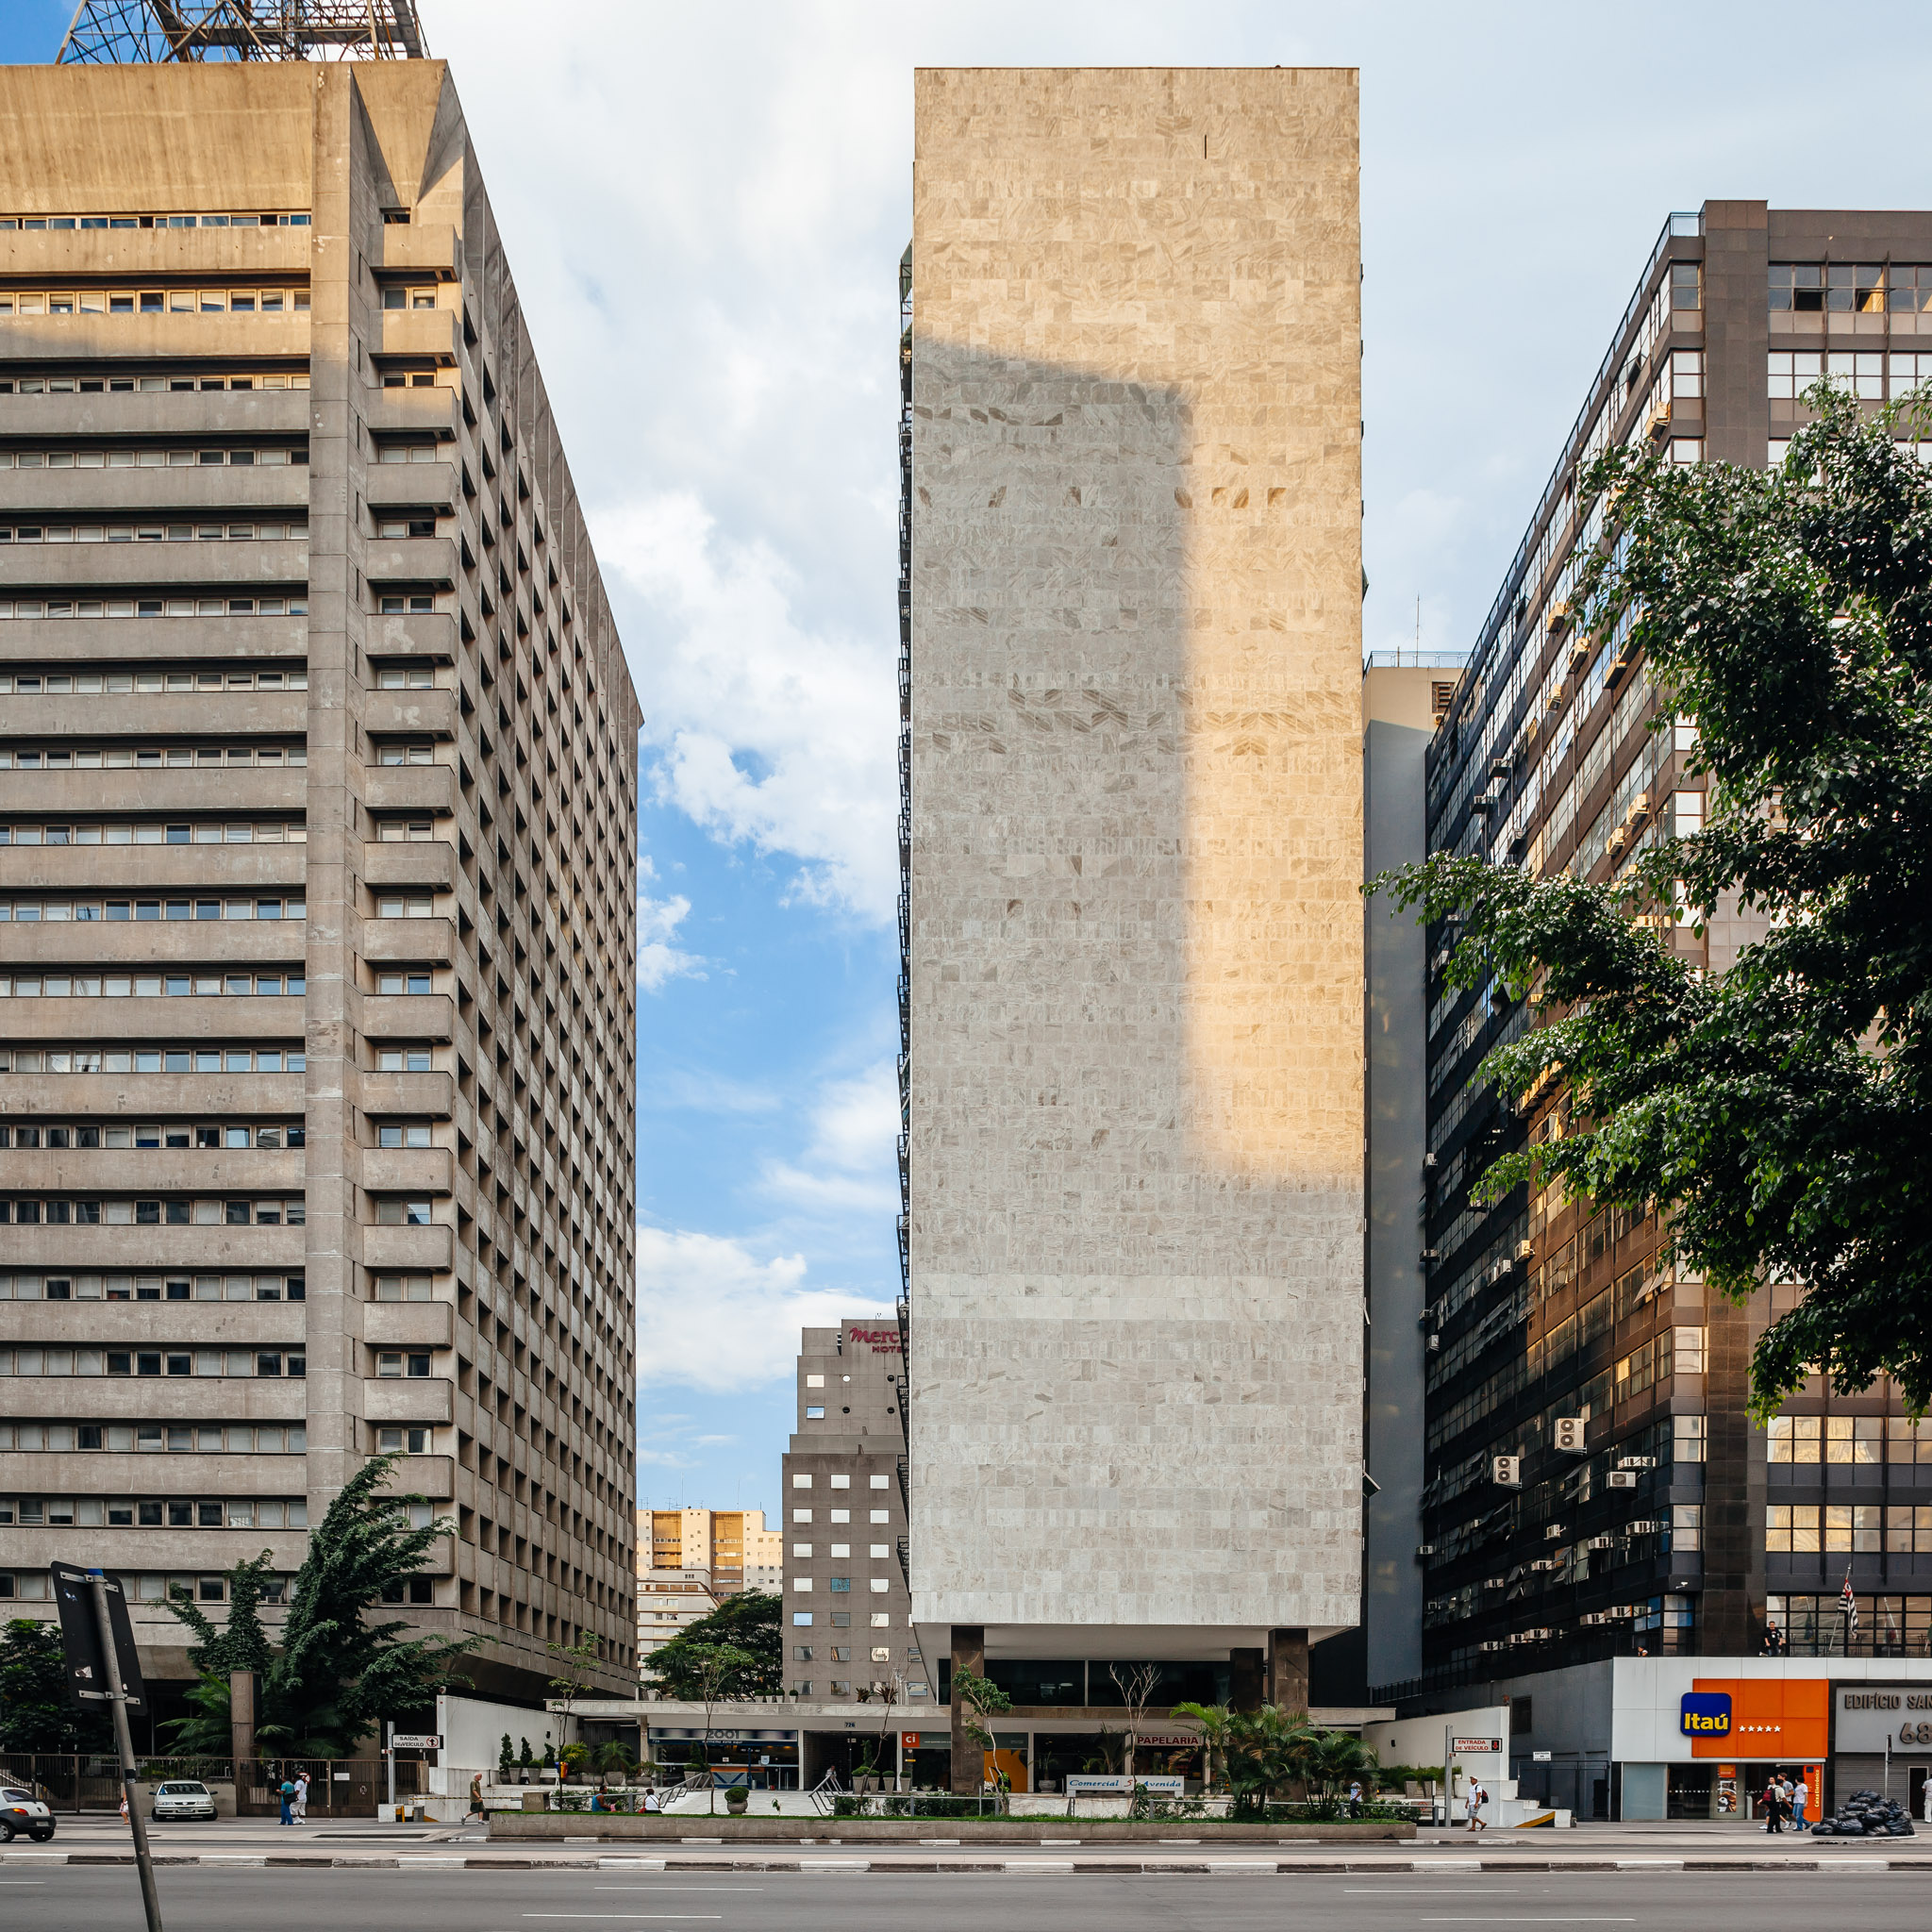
<point x="730" y="1548"/>
<point x="295" y="593"/>
<point x="847" y="1606"/>
<point x="1133" y="752"/>
<point x="1644" y="1514"/>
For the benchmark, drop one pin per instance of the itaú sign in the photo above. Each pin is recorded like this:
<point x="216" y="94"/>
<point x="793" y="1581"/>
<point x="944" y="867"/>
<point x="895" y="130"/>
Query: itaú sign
<point x="1705" y="1714"/>
<point x="880" y="1340"/>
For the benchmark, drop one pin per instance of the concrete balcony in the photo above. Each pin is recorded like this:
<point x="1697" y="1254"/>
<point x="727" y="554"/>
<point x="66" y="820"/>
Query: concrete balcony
<point x="423" y="335"/>
<point x="150" y="715"/>
<point x="103" y="946"/>
<point x="413" y="1170"/>
<point x="155" y="337"/>
<point x="270" y="790"/>
<point x="201" y="414"/>
<point x="429" y="864"/>
<point x="133" y="639"/>
<point x="421" y="634"/>
<point x="427" y="789"/>
<point x="153" y="1550"/>
<point x="430" y="713"/>
<point x="162" y="868"/>
<point x="428" y="248"/>
<point x="153" y="1249"/>
<point x="406" y="1016"/>
<point x="416" y="560"/>
<point x="428" y="1096"/>
<point x="150" y="489"/>
<point x="159" y="1399"/>
<point x="433" y="1476"/>
<point x="154" y="1325"/>
<point x="127" y="568"/>
<point x="423" y="1400"/>
<point x="437" y="413"/>
<point x="151" y="1473"/>
<point x="412" y="485"/>
<point x="408" y="1325"/>
<point x="183" y="1020"/>
<point x="199" y="1172"/>
<point x="409" y="942"/>
<point x="223" y="257"/>
<point x="153" y="1096"/>
<point x="410" y="1249"/>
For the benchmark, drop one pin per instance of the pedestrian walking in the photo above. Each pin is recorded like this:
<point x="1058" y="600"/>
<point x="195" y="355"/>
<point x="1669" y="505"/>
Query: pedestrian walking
<point x="1478" y="1799"/>
<point x="300" y="1807"/>
<point x="475" y="1809"/>
<point x="287" y="1794"/>
<point x="1354" y="1799"/>
<point x="1801" y="1792"/>
<point x="1773" y="1806"/>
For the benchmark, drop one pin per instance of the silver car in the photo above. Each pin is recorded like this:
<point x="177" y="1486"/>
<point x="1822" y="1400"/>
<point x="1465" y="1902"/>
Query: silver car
<point x="182" y="1797"/>
<point x="20" y="1810"/>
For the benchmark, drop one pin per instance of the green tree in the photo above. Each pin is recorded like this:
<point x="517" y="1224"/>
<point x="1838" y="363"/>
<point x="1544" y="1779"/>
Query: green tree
<point x="35" y="1714"/>
<point x="747" y="1623"/>
<point x="1216" y="1722"/>
<point x="242" y="1643"/>
<point x="1267" y="1748"/>
<point x="1779" y="1111"/>
<point x="506" y="1760"/>
<point x="980" y="1698"/>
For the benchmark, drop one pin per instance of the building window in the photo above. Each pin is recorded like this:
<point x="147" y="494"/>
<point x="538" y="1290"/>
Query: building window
<point x="1854" y="1438"/>
<point x="802" y="1585"/>
<point x="1797" y="286"/>
<point x="814" y="1381"/>
<point x="1792" y="372"/>
<point x="835" y="1584"/>
<point x="841" y="1482"/>
<point x="881" y="1620"/>
<point x="879" y="1482"/>
<point x="1793" y="1528"/>
<point x="814" y="1415"/>
<point x="406" y="1134"/>
<point x="1795" y="1439"/>
<point x="1686" y="285"/>
<point x="801" y="1620"/>
<point x="880" y="1586"/>
<point x="801" y="1482"/>
<point x="1909" y="1529"/>
<point x="1863" y="374"/>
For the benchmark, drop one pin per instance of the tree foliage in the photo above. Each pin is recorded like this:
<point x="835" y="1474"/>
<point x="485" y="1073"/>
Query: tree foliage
<point x="747" y="1623"/>
<point x="35" y="1714"/>
<point x="1779" y="1110"/>
<point x="335" y="1678"/>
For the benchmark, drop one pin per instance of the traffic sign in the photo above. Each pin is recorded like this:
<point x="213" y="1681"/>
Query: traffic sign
<point x="1475" y="1747"/>
<point x="86" y="1675"/>
<point x="415" y="1741"/>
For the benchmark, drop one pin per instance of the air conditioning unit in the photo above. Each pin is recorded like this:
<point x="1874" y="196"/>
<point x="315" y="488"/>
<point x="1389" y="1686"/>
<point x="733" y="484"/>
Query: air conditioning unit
<point x="1571" y="1435"/>
<point x="1544" y="1564"/>
<point x="1433" y="1344"/>
<point x="1620" y="837"/>
<point x="1617" y="666"/>
<point x="1506" y="1469"/>
<point x="1553" y="1532"/>
<point x="1429" y="1254"/>
<point x="1525" y="1250"/>
<point x="1660" y="420"/>
<point x="1648" y="1525"/>
<point x="1637" y="1462"/>
<point x="1601" y="1542"/>
<point x="1622" y="1480"/>
<point x="1429" y="1161"/>
<point x="1557" y="615"/>
<point x="1492" y="1643"/>
<point x="1579" y="654"/>
<point x="1639" y="807"/>
<point x="1425" y="1551"/>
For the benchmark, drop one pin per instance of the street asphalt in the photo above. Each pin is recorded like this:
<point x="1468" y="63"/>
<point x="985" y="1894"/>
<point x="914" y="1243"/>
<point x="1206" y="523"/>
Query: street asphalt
<point x="82" y="1898"/>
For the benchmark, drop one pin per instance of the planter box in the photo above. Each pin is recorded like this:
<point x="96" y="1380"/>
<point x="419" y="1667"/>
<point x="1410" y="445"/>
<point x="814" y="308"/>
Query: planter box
<point x="510" y="1827"/>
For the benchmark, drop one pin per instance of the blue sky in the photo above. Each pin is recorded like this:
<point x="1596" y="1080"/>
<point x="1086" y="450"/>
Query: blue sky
<point x="704" y="209"/>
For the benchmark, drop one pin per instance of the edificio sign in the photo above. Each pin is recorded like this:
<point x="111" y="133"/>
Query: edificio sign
<point x="1867" y="1717"/>
<point x="1705" y="1714"/>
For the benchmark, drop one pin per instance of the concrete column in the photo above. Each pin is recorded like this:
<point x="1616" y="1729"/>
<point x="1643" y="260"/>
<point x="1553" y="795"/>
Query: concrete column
<point x="969" y="1761"/>
<point x="1287" y="1669"/>
<point x="241" y="1689"/>
<point x="1244" y="1680"/>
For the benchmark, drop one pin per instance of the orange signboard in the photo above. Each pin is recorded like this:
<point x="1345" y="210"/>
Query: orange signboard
<point x="1771" y="1717"/>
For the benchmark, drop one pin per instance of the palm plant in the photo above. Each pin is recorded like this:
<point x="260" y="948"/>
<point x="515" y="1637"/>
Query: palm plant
<point x="1216" y="1721"/>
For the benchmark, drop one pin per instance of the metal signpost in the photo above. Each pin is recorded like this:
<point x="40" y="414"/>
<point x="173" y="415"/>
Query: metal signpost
<point x="103" y="1668"/>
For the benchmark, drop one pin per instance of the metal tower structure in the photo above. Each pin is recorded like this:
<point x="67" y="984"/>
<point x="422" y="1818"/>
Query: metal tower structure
<point x="118" y="32"/>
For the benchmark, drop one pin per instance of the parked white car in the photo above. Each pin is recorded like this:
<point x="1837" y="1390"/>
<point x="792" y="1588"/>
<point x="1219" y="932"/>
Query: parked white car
<point x="20" y="1810"/>
<point x="182" y="1797"/>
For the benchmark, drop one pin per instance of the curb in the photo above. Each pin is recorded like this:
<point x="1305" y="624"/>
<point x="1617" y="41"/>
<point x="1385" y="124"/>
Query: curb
<point x="834" y="1864"/>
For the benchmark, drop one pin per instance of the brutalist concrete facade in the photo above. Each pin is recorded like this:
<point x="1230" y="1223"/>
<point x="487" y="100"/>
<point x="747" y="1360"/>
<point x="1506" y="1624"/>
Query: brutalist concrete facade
<point x="1135" y="1118"/>
<point x="848" y="1609"/>
<point x="335" y="1155"/>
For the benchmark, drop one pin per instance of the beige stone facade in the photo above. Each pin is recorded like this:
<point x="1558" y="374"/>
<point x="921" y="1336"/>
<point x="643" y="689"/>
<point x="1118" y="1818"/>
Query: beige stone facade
<point x="336" y="1154"/>
<point x="1136" y="938"/>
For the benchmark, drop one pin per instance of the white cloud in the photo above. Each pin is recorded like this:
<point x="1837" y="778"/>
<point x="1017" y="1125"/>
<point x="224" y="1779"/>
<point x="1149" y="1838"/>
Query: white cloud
<point x="658" y="957"/>
<point x="712" y="1316"/>
<point x="849" y="1166"/>
<point x="769" y="730"/>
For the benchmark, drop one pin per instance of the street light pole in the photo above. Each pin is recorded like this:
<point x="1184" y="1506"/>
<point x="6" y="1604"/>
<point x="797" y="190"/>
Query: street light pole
<point x="124" y="1744"/>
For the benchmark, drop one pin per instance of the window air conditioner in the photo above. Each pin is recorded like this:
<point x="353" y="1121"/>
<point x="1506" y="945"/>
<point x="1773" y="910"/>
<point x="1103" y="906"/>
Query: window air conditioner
<point x="1506" y="1469"/>
<point x="1601" y="1542"/>
<point x="1622" y="1480"/>
<point x="1572" y="1434"/>
<point x="1525" y="1250"/>
<point x="1424" y="1551"/>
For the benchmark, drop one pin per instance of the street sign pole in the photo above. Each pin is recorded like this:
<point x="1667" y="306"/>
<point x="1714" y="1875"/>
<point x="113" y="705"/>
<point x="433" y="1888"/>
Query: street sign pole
<point x="390" y="1755"/>
<point x="123" y="1741"/>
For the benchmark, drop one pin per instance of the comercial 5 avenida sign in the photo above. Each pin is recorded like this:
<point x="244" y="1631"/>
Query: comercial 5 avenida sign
<point x="1705" y="1714"/>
